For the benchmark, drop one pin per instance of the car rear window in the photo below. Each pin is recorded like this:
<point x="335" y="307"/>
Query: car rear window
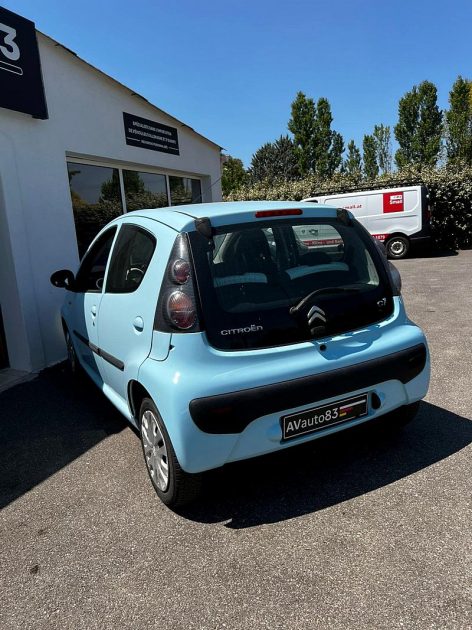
<point x="254" y="276"/>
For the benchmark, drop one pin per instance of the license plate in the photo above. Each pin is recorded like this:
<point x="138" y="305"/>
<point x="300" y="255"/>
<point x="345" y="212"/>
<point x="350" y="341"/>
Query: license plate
<point x="312" y="420"/>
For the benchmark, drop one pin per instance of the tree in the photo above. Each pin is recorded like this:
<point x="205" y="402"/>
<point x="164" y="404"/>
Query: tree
<point x="419" y="127"/>
<point x="322" y="139"/>
<point x="353" y="162"/>
<point x="383" y="148"/>
<point x="319" y="148"/>
<point x="275" y="160"/>
<point x="371" y="167"/>
<point x="336" y="153"/>
<point x="302" y="126"/>
<point x="233" y="175"/>
<point x="458" y="122"/>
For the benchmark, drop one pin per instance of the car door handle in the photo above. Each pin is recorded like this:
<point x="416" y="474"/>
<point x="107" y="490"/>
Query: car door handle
<point x="138" y="324"/>
<point x="93" y="310"/>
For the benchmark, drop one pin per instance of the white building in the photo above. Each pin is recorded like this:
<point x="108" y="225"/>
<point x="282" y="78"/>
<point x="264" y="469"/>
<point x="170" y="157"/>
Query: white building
<point x="117" y="150"/>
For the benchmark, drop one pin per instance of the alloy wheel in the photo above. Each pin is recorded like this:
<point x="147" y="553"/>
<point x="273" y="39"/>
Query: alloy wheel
<point x="155" y="450"/>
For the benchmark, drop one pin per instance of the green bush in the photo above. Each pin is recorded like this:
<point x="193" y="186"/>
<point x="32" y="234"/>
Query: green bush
<point x="450" y="190"/>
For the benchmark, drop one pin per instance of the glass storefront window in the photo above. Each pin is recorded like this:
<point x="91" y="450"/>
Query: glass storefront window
<point x="184" y="190"/>
<point x="144" y="190"/>
<point x="96" y="199"/>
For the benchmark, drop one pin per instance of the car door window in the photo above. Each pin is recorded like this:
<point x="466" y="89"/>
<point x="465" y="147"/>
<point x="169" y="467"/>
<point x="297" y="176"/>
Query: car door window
<point x="92" y="269"/>
<point x="130" y="260"/>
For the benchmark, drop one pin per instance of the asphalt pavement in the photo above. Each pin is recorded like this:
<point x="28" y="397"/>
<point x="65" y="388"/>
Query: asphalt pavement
<point x="366" y="529"/>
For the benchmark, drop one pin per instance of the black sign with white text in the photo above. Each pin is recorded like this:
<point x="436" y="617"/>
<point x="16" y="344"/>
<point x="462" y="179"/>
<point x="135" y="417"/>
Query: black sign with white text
<point x="147" y="134"/>
<point x="21" y="82"/>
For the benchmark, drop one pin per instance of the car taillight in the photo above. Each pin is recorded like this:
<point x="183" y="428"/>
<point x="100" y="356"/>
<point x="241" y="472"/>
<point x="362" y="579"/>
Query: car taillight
<point x="180" y="271"/>
<point x="177" y="308"/>
<point x="181" y="310"/>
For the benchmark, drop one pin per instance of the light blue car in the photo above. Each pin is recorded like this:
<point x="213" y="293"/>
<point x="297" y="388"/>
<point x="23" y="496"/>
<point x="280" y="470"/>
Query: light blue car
<point x="222" y="334"/>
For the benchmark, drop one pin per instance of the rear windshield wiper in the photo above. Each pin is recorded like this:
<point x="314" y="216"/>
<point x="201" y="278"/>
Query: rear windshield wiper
<point x="295" y="310"/>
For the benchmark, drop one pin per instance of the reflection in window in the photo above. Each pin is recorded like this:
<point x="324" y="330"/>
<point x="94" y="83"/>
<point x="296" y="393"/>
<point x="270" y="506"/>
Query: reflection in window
<point x="131" y="257"/>
<point x="96" y="199"/>
<point x="185" y="190"/>
<point x="144" y="190"/>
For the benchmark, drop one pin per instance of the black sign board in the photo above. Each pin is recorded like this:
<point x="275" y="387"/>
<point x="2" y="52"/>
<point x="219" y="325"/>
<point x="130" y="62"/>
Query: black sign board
<point x="21" y="82"/>
<point x="147" y="134"/>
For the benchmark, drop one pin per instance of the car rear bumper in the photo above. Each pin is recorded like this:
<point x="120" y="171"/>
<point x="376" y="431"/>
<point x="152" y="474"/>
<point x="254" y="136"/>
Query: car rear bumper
<point x="234" y="411"/>
<point x="220" y="407"/>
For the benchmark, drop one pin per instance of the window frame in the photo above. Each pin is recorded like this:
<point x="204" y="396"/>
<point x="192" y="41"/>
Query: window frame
<point x="99" y="238"/>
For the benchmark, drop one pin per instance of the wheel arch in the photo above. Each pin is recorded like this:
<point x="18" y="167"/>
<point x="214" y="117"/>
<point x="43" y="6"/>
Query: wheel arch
<point x="64" y="326"/>
<point x="394" y="234"/>
<point x="136" y="394"/>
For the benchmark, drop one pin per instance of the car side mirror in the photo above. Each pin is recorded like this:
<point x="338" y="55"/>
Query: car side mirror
<point x="63" y="279"/>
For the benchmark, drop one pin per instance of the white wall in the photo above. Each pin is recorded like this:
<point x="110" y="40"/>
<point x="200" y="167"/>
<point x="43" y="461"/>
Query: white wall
<point x="37" y="234"/>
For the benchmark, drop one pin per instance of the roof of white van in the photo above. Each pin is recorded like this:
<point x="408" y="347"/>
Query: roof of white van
<point x="359" y="193"/>
<point x="223" y="213"/>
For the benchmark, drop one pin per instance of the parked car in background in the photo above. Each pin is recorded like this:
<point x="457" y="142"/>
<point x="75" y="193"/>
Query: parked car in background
<point x="399" y="217"/>
<point x="221" y="333"/>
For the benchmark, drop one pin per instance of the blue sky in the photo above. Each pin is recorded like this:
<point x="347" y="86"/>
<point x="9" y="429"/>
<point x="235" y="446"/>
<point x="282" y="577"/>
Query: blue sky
<point x="231" y="69"/>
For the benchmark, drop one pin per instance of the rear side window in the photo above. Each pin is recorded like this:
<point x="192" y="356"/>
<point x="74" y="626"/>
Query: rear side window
<point x="130" y="259"/>
<point x="255" y="275"/>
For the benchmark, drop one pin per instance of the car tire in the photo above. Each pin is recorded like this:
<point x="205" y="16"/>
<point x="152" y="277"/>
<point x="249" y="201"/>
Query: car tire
<point x="397" y="247"/>
<point x="173" y="485"/>
<point x="72" y="359"/>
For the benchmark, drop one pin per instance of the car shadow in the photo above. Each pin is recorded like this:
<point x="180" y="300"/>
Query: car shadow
<point x="47" y="423"/>
<point x="432" y="252"/>
<point x="328" y="471"/>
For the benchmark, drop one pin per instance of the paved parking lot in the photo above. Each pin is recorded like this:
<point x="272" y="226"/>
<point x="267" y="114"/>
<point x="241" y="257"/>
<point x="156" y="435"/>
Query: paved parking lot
<point x="367" y="530"/>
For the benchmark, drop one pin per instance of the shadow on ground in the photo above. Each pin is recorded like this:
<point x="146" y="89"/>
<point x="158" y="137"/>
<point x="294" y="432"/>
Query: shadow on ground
<point x="329" y="471"/>
<point x="47" y="423"/>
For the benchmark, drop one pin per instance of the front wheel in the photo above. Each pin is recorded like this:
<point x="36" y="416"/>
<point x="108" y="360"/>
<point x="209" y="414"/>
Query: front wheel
<point x="397" y="247"/>
<point x="72" y="359"/>
<point x="173" y="485"/>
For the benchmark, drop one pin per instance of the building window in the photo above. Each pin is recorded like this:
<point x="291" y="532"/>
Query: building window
<point x="96" y="199"/>
<point x="96" y="195"/>
<point x="144" y="190"/>
<point x="184" y="190"/>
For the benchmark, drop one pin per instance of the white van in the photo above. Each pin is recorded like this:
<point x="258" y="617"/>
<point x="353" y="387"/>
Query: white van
<point x="396" y="216"/>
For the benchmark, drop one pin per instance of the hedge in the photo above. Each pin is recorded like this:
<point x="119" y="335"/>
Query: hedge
<point x="450" y="189"/>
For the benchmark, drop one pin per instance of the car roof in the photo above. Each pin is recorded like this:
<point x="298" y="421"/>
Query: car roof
<point x="182" y="218"/>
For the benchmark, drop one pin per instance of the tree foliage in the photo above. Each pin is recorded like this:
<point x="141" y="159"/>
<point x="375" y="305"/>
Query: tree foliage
<point x="458" y="122"/>
<point x="275" y="160"/>
<point x="233" y="174"/>
<point x="383" y="148"/>
<point x="318" y="147"/>
<point x="302" y="126"/>
<point x="419" y="127"/>
<point x="371" y="167"/>
<point x="450" y="189"/>
<point x="353" y="161"/>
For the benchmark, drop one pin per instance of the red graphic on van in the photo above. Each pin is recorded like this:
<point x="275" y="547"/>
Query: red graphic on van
<point x="393" y="202"/>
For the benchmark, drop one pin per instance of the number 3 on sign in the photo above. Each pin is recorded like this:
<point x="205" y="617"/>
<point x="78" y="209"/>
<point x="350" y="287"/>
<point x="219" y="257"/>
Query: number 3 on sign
<point x="9" y="48"/>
